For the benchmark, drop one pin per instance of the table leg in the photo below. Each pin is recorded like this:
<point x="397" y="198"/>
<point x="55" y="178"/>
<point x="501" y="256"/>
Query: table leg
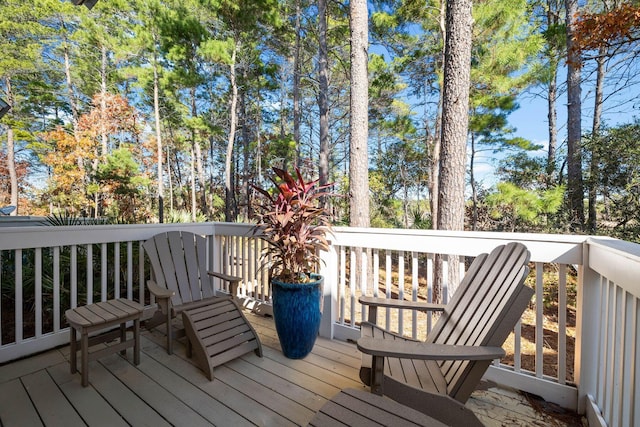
<point x="136" y="342"/>
<point x="73" y="350"/>
<point x="85" y="358"/>
<point x="123" y="337"/>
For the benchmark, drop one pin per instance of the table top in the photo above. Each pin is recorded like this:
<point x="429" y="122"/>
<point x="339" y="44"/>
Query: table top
<point x="357" y="408"/>
<point x="103" y="312"/>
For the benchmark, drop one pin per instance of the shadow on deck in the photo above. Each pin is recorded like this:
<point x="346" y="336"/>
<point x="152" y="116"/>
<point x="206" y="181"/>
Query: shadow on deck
<point x="170" y="390"/>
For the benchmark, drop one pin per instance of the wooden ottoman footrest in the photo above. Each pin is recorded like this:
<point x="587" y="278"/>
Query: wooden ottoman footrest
<point x="218" y="333"/>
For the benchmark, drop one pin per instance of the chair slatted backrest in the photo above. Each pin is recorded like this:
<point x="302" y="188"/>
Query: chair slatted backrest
<point x="179" y="262"/>
<point x="485" y="308"/>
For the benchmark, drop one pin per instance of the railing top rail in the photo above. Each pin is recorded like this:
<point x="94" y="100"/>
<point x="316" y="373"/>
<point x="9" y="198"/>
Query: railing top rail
<point x="12" y="238"/>
<point x="565" y="249"/>
<point x="618" y="261"/>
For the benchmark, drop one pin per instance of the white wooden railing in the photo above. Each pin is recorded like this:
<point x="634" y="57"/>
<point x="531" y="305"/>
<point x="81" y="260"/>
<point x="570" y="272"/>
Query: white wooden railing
<point x="594" y="370"/>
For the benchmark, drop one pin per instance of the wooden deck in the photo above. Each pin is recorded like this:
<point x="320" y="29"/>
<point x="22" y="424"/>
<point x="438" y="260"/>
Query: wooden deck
<point x="170" y="390"/>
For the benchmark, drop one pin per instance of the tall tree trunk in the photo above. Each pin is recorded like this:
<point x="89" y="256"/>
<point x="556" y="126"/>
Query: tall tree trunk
<point x="170" y="176"/>
<point x="11" y="166"/>
<point x="103" y="102"/>
<point x="575" y="186"/>
<point x="323" y="95"/>
<point x="455" y="124"/>
<point x="192" y="176"/>
<point x="552" y="117"/>
<point x="198" y="156"/>
<point x="359" y="127"/>
<point x="594" y="177"/>
<point x="156" y="114"/>
<point x="229" y="209"/>
<point x="359" y="122"/>
<point x="553" y="14"/>
<point x="434" y="181"/>
<point x="296" y="84"/>
<point x="11" y="155"/>
<point x="72" y="98"/>
<point x="243" y="207"/>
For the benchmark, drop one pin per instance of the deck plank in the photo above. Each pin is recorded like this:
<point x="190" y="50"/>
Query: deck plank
<point x="186" y="381"/>
<point x="218" y="389"/>
<point x="156" y="396"/>
<point x="318" y="386"/>
<point x="29" y="365"/>
<point x="52" y="406"/>
<point x="132" y="408"/>
<point x="16" y="408"/>
<point x="93" y="409"/>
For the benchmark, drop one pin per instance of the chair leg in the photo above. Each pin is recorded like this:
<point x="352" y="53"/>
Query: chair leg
<point x="169" y="334"/>
<point x="377" y="374"/>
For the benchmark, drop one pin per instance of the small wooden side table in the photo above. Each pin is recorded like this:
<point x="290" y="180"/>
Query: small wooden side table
<point x="102" y="315"/>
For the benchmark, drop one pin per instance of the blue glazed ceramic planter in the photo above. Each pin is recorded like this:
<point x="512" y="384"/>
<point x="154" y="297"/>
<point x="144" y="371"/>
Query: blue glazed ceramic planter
<point x="296" y="310"/>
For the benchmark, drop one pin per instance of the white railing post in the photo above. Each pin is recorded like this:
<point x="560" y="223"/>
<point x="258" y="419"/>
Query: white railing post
<point x="588" y="320"/>
<point x="329" y="271"/>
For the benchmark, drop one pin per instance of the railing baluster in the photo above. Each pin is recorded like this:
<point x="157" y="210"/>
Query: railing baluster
<point x="633" y="394"/>
<point x="18" y="293"/>
<point x="539" y="320"/>
<point x="342" y="284"/>
<point x="116" y="266"/>
<point x="602" y="339"/>
<point x="414" y="294"/>
<point x="444" y="296"/>
<point x="38" y="291"/>
<point x="74" y="276"/>
<point x="89" y="264"/>
<point x="387" y="282"/>
<point x="562" y="324"/>
<point x="610" y="351"/>
<point x="352" y="287"/>
<point x="429" y="290"/>
<point x="375" y="280"/>
<point x="103" y="272"/>
<point x="629" y="345"/>
<point x="401" y="291"/>
<point x="56" y="288"/>
<point x="129" y="270"/>
<point x="364" y="264"/>
<point x="141" y="278"/>
<point x="617" y="373"/>
<point x="517" y="347"/>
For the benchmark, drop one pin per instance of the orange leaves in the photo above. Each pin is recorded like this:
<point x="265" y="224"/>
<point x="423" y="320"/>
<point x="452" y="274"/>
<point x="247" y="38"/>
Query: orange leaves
<point x="118" y="118"/>
<point x="65" y="158"/>
<point x="594" y="30"/>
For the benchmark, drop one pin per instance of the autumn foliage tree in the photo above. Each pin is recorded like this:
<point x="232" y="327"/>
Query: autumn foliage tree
<point x="609" y="28"/>
<point x="85" y="173"/>
<point x="65" y="159"/>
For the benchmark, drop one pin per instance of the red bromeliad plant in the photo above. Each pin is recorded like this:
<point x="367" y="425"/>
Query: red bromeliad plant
<point x="294" y="224"/>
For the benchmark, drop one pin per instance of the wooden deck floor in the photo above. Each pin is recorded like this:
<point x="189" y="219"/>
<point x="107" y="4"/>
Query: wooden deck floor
<point x="170" y="390"/>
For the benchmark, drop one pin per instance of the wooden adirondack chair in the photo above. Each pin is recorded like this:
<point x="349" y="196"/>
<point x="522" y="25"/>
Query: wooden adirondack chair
<point x="438" y="375"/>
<point x="217" y="329"/>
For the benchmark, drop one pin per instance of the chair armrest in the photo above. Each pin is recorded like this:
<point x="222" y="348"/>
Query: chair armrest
<point x="427" y="351"/>
<point x="397" y="303"/>
<point x="234" y="281"/>
<point x="226" y="277"/>
<point x="158" y="291"/>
